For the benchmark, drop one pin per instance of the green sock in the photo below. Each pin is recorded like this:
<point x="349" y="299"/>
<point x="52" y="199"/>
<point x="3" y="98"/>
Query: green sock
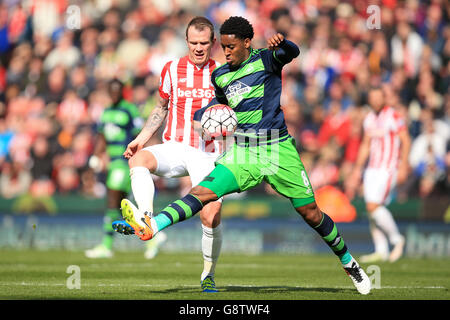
<point x="346" y="258"/>
<point x="328" y="231"/>
<point x="177" y="211"/>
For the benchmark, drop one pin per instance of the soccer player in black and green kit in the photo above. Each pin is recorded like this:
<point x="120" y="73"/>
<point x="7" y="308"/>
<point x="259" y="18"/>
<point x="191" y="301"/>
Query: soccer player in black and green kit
<point x="250" y="83"/>
<point x="118" y="125"/>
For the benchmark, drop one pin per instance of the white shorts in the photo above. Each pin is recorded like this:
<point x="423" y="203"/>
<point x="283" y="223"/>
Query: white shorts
<point x="378" y="185"/>
<point x="178" y="160"/>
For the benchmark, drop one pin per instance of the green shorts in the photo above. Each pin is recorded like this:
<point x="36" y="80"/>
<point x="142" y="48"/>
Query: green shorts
<point x="242" y="168"/>
<point x="118" y="176"/>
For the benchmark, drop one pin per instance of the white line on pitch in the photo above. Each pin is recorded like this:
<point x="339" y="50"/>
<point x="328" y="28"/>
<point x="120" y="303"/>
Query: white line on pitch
<point x="195" y="285"/>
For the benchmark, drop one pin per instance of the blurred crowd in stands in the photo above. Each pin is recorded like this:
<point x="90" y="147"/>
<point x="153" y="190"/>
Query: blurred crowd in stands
<point x="53" y="81"/>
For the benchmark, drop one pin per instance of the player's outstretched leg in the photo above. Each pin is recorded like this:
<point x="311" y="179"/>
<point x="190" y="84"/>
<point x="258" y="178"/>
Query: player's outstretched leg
<point x="139" y="221"/>
<point x="147" y="227"/>
<point x="122" y="227"/>
<point x="327" y="229"/>
<point x="329" y="233"/>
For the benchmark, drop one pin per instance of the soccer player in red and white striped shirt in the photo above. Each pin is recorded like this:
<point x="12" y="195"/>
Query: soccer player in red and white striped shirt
<point x="185" y="87"/>
<point x="385" y="148"/>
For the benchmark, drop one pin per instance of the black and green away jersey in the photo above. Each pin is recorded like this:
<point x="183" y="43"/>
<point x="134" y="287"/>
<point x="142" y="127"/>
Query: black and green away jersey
<point x="119" y="124"/>
<point x="253" y="90"/>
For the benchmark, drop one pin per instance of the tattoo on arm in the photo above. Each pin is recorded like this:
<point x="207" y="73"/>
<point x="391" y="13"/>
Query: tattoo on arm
<point x="157" y="116"/>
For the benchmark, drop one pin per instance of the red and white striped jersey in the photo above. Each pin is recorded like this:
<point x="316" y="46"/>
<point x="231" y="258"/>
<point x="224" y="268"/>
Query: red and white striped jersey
<point x="383" y="129"/>
<point x="188" y="89"/>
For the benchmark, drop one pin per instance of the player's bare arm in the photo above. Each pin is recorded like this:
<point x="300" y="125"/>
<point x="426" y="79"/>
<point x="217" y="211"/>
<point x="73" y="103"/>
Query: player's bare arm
<point x="157" y="117"/>
<point x="153" y="123"/>
<point x="405" y="146"/>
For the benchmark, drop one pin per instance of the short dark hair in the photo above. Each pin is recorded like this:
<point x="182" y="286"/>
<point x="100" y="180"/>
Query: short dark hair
<point x="201" y="23"/>
<point x="237" y="26"/>
<point x="116" y="83"/>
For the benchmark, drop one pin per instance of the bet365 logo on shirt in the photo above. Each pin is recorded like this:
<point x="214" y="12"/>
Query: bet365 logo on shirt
<point x="196" y="93"/>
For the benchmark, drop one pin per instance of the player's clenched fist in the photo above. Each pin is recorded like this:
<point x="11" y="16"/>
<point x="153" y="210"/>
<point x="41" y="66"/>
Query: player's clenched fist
<point x="274" y="41"/>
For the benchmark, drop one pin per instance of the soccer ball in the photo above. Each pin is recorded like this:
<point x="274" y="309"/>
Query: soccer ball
<point x="217" y="121"/>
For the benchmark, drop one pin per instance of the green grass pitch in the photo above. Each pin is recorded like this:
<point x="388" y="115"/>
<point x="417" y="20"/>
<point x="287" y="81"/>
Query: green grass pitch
<point x="29" y="274"/>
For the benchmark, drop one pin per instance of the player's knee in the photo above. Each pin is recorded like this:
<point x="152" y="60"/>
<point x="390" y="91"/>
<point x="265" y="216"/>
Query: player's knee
<point x="310" y="213"/>
<point x="143" y="159"/>
<point x="203" y="194"/>
<point x="133" y="161"/>
<point x="210" y="215"/>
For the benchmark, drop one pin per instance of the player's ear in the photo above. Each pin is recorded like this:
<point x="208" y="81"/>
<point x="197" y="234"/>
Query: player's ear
<point x="247" y="43"/>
